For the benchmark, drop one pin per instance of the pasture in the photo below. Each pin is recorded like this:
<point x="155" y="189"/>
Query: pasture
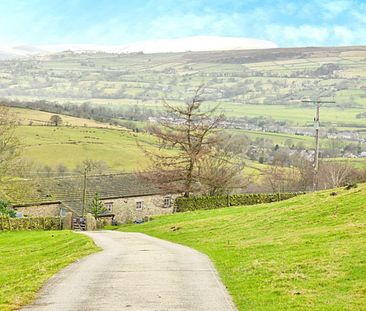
<point x="71" y="145"/>
<point x="306" y="253"/>
<point x="120" y="149"/>
<point x="35" y="117"/>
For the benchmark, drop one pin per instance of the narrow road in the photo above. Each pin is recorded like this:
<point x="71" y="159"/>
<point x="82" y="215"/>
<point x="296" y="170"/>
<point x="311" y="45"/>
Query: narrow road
<point x="135" y="272"/>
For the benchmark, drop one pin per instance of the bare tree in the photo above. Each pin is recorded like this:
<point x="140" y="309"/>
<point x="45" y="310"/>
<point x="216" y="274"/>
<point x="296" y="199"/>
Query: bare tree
<point x="48" y="171"/>
<point x="305" y="169"/>
<point x="9" y="143"/>
<point x="281" y="179"/>
<point x="274" y="178"/>
<point x="220" y="172"/>
<point x="61" y="169"/>
<point x="190" y="131"/>
<point x="333" y="174"/>
<point x="11" y="163"/>
<point x="56" y="120"/>
<point x="93" y="167"/>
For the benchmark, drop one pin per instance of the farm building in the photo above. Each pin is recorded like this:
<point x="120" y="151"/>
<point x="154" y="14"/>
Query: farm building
<point x="127" y="197"/>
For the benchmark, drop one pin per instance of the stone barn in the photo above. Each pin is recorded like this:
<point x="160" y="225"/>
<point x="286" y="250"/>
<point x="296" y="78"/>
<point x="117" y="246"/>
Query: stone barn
<point x="127" y="197"/>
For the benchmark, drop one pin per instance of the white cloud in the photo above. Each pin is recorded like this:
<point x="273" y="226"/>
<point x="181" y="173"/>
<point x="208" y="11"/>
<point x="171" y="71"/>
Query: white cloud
<point x="344" y="35"/>
<point x="297" y="35"/>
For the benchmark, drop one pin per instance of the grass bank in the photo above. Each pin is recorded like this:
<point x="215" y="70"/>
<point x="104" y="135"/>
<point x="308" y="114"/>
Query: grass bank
<point x="307" y="253"/>
<point x="28" y="259"/>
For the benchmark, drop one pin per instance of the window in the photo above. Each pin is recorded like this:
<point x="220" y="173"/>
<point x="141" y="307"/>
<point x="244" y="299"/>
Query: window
<point x="167" y="201"/>
<point x="109" y="206"/>
<point x="139" y="205"/>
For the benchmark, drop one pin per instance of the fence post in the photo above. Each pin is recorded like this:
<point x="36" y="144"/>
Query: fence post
<point x="91" y="223"/>
<point x="67" y="221"/>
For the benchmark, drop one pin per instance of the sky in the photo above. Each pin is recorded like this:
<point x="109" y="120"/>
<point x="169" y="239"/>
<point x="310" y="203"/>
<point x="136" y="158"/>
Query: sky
<point x="113" y="22"/>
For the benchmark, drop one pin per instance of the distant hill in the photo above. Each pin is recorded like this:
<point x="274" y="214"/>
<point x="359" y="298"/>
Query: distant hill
<point x="197" y="43"/>
<point x="21" y="51"/>
<point x="247" y="83"/>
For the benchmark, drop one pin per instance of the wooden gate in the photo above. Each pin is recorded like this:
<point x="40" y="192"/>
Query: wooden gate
<point x="79" y="224"/>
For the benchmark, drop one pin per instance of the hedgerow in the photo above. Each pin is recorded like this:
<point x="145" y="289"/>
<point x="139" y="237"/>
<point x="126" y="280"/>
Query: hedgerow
<point x="212" y="202"/>
<point x="31" y="223"/>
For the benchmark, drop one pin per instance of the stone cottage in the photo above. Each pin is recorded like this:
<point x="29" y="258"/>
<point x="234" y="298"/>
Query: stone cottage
<point x="127" y="197"/>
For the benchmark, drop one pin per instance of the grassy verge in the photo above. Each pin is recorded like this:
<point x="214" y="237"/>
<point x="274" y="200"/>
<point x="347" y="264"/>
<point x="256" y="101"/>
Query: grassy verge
<point x="28" y="259"/>
<point x="307" y="253"/>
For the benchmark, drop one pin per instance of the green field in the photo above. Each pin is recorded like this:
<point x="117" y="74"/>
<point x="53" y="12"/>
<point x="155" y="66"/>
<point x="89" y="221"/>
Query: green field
<point x="28" y="259"/>
<point x="35" y="117"/>
<point x="51" y="146"/>
<point x="71" y="145"/>
<point x="279" y="138"/>
<point x="300" y="116"/>
<point x="307" y="253"/>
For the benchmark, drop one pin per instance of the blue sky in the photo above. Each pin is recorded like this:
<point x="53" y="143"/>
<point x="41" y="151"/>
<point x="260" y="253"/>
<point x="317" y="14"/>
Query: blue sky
<point x="287" y="23"/>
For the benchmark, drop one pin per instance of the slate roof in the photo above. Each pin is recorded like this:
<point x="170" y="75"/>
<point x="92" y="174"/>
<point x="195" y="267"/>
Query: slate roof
<point x="69" y="190"/>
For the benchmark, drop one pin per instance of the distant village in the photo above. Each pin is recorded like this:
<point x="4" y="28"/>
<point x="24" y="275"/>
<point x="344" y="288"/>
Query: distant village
<point x="277" y="127"/>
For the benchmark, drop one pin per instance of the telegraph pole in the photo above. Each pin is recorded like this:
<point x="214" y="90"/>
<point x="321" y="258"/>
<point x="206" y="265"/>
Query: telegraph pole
<point x="84" y="191"/>
<point x="87" y="168"/>
<point x="317" y="137"/>
<point x="317" y="128"/>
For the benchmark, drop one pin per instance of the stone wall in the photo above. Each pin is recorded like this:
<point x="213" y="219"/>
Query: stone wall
<point x="127" y="209"/>
<point x="46" y="210"/>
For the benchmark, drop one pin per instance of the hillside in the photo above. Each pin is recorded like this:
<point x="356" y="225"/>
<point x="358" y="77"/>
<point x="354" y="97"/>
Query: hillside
<point x="247" y="83"/>
<point x="35" y="117"/>
<point x="118" y="148"/>
<point x="71" y="145"/>
<point x="306" y="253"/>
<point x="79" y="139"/>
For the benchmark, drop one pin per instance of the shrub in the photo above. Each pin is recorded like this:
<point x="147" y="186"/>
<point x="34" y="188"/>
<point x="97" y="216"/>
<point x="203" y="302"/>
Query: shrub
<point x="5" y="209"/>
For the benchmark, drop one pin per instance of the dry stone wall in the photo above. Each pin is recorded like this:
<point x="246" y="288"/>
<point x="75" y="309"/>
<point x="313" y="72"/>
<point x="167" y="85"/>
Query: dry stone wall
<point x="44" y="210"/>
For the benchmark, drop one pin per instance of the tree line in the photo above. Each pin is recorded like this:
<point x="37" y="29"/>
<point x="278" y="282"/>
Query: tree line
<point x="102" y="113"/>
